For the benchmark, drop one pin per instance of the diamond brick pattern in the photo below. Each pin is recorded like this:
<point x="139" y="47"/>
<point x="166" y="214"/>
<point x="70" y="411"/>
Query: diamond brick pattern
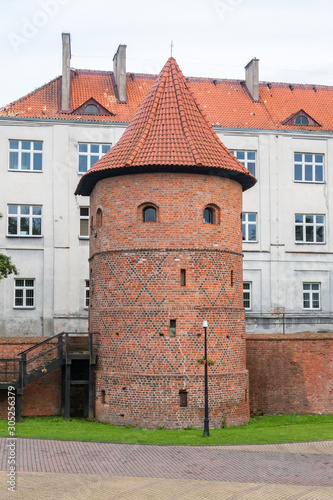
<point x="137" y="354"/>
<point x="144" y="365"/>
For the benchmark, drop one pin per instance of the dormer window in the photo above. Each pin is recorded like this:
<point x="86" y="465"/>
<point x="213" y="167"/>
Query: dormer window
<point x="91" y="109"/>
<point x="301" y="120"/>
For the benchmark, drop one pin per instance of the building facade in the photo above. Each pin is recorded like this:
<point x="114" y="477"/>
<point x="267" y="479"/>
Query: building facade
<point x="166" y="256"/>
<point x="282" y="133"/>
<point x="287" y="228"/>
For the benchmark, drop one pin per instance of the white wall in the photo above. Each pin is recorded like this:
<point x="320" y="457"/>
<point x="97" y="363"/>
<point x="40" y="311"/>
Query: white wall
<point x="58" y="260"/>
<point x="275" y="264"/>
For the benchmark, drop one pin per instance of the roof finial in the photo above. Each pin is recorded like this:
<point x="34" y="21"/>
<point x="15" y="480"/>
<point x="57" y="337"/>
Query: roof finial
<point x="171" y="47"/>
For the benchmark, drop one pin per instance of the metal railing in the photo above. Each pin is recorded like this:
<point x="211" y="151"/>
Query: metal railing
<point x="58" y="347"/>
<point x="9" y="369"/>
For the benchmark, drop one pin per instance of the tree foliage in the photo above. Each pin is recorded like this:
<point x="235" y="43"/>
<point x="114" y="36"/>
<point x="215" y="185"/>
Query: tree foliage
<point x="6" y="266"/>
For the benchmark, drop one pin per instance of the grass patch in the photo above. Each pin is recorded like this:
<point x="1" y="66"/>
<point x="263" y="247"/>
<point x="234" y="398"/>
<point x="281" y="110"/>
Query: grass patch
<point x="260" y="430"/>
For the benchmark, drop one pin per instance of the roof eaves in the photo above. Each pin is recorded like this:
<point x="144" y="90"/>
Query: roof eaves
<point x="90" y="178"/>
<point x="35" y="91"/>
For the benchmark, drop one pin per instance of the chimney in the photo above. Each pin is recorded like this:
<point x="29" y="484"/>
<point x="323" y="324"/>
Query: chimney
<point x="252" y="78"/>
<point x="119" y="71"/>
<point x="66" y="71"/>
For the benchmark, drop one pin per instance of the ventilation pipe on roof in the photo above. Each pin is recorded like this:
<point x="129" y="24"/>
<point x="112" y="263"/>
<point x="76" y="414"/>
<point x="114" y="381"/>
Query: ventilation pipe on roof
<point x="119" y="71"/>
<point x="66" y="71"/>
<point x="252" y="78"/>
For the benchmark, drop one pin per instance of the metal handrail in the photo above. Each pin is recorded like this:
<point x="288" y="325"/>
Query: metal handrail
<point x="40" y="343"/>
<point x="7" y="372"/>
<point x="22" y="356"/>
<point x="54" y="337"/>
<point x="42" y="354"/>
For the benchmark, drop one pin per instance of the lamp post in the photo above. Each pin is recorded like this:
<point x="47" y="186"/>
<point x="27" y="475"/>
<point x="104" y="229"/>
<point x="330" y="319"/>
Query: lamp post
<point x="206" y="421"/>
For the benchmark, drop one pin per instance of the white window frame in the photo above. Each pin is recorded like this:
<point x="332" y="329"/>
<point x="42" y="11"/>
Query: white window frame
<point x="313" y="162"/>
<point x="19" y="216"/>
<point x="25" y="287"/>
<point x="249" y="292"/>
<point x="304" y="224"/>
<point x="311" y="292"/>
<point x="246" y="160"/>
<point x="82" y="218"/>
<point x="32" y="152"/>
<point x="86" y="293"/>
<point x="246" y="223"/>
<point x="91" y="156"/>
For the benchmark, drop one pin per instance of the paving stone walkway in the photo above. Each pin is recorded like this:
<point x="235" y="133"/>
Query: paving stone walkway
<point x="74" y="470"/>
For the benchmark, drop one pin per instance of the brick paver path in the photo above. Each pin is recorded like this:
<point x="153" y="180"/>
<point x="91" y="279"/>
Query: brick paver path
<point x="73" y="470"/>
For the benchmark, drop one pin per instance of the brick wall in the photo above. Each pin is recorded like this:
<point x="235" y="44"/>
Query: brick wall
<point x="136" y="268"/>
<point x="41" y="397"/>
<point x="290" y="373"/>
<point x="180" y="199"/>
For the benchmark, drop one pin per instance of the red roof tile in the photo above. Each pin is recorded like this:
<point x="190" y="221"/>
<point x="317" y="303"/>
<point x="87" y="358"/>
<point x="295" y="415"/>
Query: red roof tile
<point x="168" y="130"/>
<point x="226" y="103"/>
<point x="44" y="102"/>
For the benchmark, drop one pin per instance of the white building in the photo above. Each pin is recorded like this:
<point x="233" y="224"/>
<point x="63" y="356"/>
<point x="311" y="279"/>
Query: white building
<point x="283" y="133"/>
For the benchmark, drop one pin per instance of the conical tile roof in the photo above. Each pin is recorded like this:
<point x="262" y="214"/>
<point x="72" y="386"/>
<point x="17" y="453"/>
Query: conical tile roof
<point x="168" y="132"/>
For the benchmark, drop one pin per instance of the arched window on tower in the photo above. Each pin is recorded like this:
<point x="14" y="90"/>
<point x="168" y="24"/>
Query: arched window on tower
<point x="99" y="218"/>
<point x="211" y="214"/>
<point x="149" y="214"/>
<point x="208" y="215"/>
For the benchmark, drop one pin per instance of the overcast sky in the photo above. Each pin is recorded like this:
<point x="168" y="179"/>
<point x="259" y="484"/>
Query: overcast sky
<point x="213" y="38"/>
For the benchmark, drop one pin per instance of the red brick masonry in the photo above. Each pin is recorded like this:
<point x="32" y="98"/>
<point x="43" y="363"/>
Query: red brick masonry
<point x="41" y="397"/>
<point x="136" y="267"/>
<point x="290" y="373"/>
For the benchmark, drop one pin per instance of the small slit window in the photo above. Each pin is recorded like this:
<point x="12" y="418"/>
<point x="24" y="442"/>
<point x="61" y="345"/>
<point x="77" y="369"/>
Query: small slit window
<point x="172" y="327"/>
<point x="182" y="398"/>
<point x="91" y="109"/>
<point x="149" y="214"/>
<point x="183" y="277"/>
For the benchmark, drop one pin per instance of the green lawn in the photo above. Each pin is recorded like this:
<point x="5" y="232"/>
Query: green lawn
<point x="271" y="429"/>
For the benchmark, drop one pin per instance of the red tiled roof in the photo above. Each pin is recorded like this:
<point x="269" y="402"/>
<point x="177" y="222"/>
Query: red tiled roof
<point x="226" y="103"/>
<point x="44" y="102"/>
<point x="168" y="130"/>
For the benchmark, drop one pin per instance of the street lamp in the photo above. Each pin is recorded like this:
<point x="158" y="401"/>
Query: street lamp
<point x="206" y="421"/>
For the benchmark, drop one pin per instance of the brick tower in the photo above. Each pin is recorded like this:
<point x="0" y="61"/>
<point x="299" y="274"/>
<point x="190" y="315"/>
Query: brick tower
<point x="166" y="254"/>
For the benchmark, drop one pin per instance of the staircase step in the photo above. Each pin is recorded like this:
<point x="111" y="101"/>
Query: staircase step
<point x="41" y="371"/>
